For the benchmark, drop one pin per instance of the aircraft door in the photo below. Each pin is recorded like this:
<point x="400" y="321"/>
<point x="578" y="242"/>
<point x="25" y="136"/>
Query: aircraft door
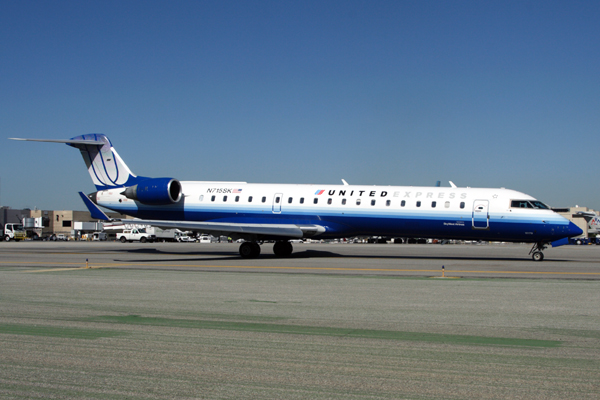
<point x="277" y="200"/>
<point x="481" y="215"/>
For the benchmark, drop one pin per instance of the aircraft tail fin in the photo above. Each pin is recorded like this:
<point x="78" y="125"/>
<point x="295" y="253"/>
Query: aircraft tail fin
<point x="105" y="167"/>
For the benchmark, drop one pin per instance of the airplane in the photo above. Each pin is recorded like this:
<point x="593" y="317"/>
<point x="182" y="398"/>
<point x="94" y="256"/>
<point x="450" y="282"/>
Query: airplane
<point x="284" y="212"/>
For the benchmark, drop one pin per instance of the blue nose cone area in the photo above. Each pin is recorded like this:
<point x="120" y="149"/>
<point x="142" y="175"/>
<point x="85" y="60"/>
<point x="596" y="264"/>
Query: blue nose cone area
<point x="573" y="230"/>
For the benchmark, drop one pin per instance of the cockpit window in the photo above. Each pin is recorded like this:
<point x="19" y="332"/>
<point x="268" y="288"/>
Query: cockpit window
<point x="520" y="204"/>
<point x="540" y="205"/>
<point x="528" y="204"/>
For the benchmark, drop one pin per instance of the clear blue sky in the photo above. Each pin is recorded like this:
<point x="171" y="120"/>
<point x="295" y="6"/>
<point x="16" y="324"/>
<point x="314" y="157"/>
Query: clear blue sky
<point x="486" y="94"/>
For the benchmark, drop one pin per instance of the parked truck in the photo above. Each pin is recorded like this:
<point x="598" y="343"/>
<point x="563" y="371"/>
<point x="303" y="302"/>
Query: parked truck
<point x="13" y="232"/>
<point x="163" y="235"/>
<point x="134" y="235"/>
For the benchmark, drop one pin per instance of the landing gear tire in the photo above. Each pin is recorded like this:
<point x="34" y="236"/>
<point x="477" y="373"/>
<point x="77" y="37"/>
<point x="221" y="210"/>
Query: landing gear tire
<point x="249" y="250"/>
<point x="536" y="251"/>
<point x="283" y="249"/>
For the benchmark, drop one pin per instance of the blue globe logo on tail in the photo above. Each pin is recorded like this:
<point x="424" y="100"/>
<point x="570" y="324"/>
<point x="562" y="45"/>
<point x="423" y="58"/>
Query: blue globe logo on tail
<point x="104" y="165"/>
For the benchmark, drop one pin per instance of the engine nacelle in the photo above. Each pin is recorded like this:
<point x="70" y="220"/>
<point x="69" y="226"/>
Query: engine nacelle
<point x="156" y="191"/>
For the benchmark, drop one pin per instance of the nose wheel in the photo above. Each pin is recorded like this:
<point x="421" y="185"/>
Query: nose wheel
<point x="537" y="256"/>
<point x="536" y="251"/>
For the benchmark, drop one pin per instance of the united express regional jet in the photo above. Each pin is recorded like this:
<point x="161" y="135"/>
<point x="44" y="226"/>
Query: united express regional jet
<point x="258" y="212"/>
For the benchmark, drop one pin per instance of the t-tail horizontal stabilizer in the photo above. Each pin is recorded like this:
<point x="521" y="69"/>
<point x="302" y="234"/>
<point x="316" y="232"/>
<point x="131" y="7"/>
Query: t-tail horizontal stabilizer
<point x="106" y="168"/>
<point x="96" y="212"/>
<point x="71" y="141"/>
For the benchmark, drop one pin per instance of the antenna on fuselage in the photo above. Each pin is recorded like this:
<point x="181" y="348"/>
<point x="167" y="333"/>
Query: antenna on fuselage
<point x="438" y="183"/>
<point x="344" y="182"/>
<point x="452" y="184"/>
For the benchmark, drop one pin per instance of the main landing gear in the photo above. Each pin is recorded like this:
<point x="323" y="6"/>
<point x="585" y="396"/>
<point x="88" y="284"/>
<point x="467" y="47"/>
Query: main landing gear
<point x="249" y="250"/>
<point x="536" y="251"/>
<point x="281" y="248"/>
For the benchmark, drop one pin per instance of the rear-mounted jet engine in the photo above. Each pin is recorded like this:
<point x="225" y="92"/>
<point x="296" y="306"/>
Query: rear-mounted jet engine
<point x="156" y="191"/>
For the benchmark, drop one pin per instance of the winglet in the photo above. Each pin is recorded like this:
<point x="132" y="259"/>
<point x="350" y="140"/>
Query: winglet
<point x="96" y="212"/>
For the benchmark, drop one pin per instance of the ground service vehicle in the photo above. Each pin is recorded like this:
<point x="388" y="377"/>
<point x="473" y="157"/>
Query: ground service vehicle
<point x="99" y="236"/>
<point x="134" y="235"/>
<point x="13" y="232"/>
<point x="163" y="235"/>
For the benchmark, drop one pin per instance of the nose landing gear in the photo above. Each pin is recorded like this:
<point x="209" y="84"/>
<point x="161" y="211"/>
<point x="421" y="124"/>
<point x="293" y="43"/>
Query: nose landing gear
<point x="536" y="251"/>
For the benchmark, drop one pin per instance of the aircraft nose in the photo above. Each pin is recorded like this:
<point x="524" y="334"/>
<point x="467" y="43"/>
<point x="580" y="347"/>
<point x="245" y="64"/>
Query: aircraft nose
<point x="573" y="230"/>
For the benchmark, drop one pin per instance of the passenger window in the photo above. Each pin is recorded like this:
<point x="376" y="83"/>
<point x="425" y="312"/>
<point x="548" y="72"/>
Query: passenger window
<point x="462" y="204"/>
<point x="212" y="198"/>
<point x="202" y="197"/>
<point x="433" y="204"/>
<point x="418" y="204"/>
<point x="372" y="202"/>
<point x="358" y="202"/>
<point x="224" y="198"/>
<point x="249" y="199"/>
<point x="447" y="204"/>
<point x="290" y="200"/>
<point x="343" y="202"/>
<point x="237" y="198"/>
<point x="316" y="200"/>
<point x="388" y="203"/>
<point x="329" y="201"/>
<point x="301" y="200"/>
<point x="264" y="199"/>
<point x="277" y="200"/>
<point x="402" y="203"/>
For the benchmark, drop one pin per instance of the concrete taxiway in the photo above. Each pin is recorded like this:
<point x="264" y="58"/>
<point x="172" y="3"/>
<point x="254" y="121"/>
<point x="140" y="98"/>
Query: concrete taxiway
<point x="487" y="260"/>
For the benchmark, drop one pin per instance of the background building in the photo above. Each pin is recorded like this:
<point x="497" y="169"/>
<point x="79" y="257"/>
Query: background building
<point x="67" y="222"/>
<point x="584" y="217"/>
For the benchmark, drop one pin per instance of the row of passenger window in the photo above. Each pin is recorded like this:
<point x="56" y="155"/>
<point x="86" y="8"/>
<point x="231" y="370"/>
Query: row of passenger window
<point x="330" y="201"/>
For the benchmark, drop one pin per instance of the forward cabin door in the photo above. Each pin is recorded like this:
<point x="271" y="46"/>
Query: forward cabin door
<point x="277" y="200"/>
<point x="481" y="215"/>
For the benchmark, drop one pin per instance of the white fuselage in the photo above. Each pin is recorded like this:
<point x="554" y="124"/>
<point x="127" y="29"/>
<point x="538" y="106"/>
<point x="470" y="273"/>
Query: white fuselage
<point x="350" y="210"/>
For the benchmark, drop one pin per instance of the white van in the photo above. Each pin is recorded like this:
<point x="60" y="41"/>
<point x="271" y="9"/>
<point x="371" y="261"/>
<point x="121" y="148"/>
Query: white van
<point x="205" y="239"/>
<point x="101" y="236"/>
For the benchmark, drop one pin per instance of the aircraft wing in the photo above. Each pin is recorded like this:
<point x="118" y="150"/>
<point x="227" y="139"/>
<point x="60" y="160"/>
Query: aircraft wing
<point x="238" y="230"/>
<point x="95" y="211"/>
<point x="290" y="231"/>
